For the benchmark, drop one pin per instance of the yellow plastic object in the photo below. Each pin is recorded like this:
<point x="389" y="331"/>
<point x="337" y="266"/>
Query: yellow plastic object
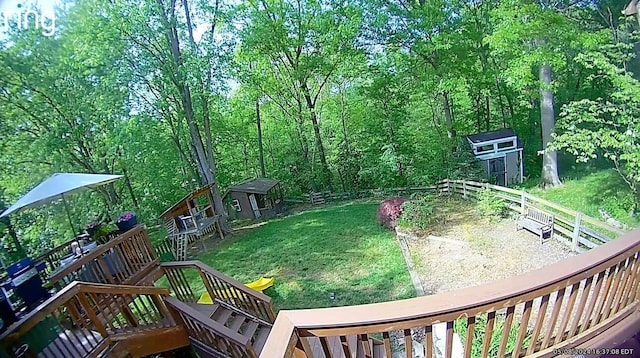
<point x="205" y="299"/>
<point x="259" y="285"/>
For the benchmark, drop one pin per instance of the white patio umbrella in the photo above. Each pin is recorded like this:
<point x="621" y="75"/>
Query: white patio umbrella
<point x="57" y="187"/>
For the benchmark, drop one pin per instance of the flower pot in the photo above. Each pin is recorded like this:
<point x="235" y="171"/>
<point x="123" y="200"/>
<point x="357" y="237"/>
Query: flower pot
<point x="127" y="225"/>
<point x="91" y="231"/>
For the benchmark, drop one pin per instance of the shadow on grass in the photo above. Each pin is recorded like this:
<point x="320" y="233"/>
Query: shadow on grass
<point x="590" y="192"/>
<point x="339" y="249"/>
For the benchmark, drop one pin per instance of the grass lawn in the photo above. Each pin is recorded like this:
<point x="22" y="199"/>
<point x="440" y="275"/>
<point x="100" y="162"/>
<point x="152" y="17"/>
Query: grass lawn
<point x="602" y="189"/>
<point x="338" y="249"/>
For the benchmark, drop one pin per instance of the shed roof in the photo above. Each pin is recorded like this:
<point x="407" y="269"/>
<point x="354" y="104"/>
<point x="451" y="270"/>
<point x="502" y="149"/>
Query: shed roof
<point x="493" y="135"/>
<point x="256" y="186"/>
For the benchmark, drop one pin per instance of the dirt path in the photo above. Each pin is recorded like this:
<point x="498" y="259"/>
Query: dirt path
<point x="464" y="250"/>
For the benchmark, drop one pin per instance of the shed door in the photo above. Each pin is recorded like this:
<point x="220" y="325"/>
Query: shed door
<point x="254" y="205"/>
<point x="497" y="170"/>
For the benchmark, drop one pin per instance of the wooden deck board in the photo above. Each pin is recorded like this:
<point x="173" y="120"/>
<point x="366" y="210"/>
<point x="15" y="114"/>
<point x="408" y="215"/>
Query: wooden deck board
<point x="72" y="343"/>
<point x="206" y="309"/>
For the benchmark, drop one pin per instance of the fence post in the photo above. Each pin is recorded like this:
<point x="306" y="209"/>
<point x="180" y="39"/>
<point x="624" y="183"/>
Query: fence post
<point x="464" y="189"/>
<point x="523" y="201"/>
<point x="576" y="232"/>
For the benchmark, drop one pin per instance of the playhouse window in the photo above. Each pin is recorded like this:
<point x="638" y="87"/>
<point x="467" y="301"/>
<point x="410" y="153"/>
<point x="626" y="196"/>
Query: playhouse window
<point x="485" y="148"/>
<point x="505" y="145"/>
<point x="236" y="205"/>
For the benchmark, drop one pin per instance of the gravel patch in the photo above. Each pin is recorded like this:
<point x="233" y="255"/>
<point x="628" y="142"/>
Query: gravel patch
<point x="464" y="250"/>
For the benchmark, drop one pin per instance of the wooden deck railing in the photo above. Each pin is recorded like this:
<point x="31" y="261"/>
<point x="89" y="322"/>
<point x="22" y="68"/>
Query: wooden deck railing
<point x="189" y="279"/>
<point x="124" y="260"/>
<point x="85" y="319"/>
<point x="51" y="258"/>
<point x="562" y="305"/>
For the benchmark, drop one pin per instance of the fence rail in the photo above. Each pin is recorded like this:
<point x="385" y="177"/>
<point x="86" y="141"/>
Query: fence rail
<point x="577" y="230"/>
<point x="574" y="228"/>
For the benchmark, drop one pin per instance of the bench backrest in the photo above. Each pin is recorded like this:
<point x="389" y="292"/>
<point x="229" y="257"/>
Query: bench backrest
<point x="539" y="216"/>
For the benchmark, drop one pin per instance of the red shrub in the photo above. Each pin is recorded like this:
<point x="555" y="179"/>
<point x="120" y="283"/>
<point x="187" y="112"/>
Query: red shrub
<point x="389" y="212"/>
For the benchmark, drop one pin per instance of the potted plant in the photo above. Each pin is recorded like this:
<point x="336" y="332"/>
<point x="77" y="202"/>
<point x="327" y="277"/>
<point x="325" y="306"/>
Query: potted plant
<point x="93" y="227"/>
<point x="126" y="221"/>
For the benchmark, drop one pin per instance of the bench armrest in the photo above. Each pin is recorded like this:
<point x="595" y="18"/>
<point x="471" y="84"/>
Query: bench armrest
<point x="547" y="227"/>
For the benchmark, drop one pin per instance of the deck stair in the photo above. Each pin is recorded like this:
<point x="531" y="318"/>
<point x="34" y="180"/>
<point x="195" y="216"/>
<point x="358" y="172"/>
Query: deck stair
<point x="92" y="320"/>
<point x="222" y="330"/>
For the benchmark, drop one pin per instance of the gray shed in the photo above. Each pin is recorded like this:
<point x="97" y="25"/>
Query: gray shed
<point x="500" y="152"/>
<point x="253" y="199"/>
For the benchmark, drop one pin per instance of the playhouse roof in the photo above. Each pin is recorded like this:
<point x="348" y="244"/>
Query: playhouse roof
<point x="492" y="135"/>
<point x="181" y="205"/>
<point x="631" y="9"/>
<point x="255" y="186"/>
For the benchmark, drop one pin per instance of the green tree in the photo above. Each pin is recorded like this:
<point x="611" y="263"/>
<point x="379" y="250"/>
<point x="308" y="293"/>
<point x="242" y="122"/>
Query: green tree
<point x="607" y="126"/>
<point x="528" y="34"/>
<point x="305" y="42"/>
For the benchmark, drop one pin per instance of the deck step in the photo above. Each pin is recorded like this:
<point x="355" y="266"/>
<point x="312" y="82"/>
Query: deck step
<point x="221" y="315"/>
<point x="206" y="309"/>
<point x="250" y="328"/>
<point x="237" y="322"/>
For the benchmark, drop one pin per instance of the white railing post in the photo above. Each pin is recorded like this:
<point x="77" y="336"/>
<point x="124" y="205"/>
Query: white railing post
<point x="523" y="201"/>
<point x="576" y="232"/>
<point x="464" y="189"/>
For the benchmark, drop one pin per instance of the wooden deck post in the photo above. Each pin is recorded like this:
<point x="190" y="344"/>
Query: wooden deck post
<point x="576" y="232"/>
<point x="523" y="202"/>
<point x="464" y="189"/>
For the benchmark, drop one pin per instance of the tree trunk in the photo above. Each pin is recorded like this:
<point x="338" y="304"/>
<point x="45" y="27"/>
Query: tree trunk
<point x="344" y="125"/>
<point x="206" y="164"/>
<point x="550" y="176"/>
<point x="488" y="114"/>
<point x="127" y="181"/>
<point x="263" y="171"/>
<point x="273" y="159"/>
<point x="476" y="100"/>
<point x="326" y="173"/>
<point x="14" y="237"/>
<point x="447" y="114"/>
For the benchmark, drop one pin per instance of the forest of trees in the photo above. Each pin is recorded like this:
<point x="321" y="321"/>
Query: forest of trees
<point x="322" y="95"/>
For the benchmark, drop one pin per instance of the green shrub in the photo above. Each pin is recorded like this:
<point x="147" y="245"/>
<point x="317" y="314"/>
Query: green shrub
<point x="491" y="206"/>
<point x="460" y="327"/>
<point x="417" y="213"/>
<point x="620" y="205"/>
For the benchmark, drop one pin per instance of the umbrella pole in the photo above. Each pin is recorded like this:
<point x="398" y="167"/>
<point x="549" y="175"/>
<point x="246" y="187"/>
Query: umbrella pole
<point x="66" y="207"/>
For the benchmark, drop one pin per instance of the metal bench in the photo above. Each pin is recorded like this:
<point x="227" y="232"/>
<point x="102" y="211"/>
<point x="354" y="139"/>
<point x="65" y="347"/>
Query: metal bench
<point x="538" y="222"/>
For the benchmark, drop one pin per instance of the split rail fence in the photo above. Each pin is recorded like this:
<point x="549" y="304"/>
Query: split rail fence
<point x="576" y="229"/>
